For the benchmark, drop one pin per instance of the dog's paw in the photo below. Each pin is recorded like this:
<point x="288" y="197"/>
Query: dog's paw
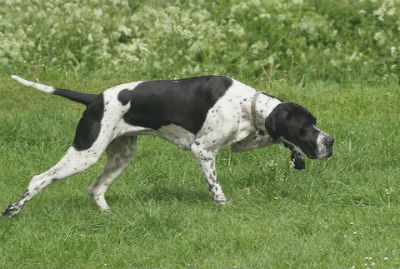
<point x="297" y="160"/>
<point x="222" y="201"/>
<point x="11" y="210"/>
<point x="299" y="163"/>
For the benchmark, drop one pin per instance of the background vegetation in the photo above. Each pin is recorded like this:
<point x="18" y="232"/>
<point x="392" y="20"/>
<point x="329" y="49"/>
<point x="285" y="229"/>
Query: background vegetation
<point x="295" y="39"/>
<point x="337" y="58"/>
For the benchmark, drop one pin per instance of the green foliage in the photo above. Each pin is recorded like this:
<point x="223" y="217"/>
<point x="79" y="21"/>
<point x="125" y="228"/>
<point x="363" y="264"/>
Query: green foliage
<point x="294" y="40"/>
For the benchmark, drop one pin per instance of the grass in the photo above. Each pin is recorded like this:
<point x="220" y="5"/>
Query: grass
<point x="342" y="212"/>
<point x="334" y="214"/>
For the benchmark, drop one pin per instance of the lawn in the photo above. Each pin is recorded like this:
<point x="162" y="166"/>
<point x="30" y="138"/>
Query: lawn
<point x="340" y="59"/>
<point x="342" y="212"/>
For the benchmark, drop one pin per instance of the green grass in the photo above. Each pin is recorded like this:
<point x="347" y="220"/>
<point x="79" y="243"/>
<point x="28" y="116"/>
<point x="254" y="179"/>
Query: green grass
<point x="340" y="59"/>
<point x="334" y="214"/>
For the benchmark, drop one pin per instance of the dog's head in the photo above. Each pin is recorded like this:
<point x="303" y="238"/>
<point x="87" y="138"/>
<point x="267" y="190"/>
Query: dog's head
<point x="295" y="124"/>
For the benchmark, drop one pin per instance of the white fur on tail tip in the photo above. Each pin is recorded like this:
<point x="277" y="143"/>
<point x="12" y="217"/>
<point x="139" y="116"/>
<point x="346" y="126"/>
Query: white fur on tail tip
<point x="38" y="86"/>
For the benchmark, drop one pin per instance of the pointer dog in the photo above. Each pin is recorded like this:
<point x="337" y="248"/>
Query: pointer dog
<point x="201" y="114"/>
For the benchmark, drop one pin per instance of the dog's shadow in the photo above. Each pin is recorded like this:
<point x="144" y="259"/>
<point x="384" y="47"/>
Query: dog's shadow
<point x="120" y="197"/>
<point x="159" y="194"/>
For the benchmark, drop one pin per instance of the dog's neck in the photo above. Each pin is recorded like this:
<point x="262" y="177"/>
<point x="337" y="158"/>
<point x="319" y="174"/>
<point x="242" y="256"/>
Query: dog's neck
<point x="261" y="106"/>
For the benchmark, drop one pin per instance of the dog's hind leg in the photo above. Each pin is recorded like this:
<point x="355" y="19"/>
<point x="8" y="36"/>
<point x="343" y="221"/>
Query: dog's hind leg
<point x="120" y="154"/>
<point x="93" y="134"/>
<point x="73" y="162"/>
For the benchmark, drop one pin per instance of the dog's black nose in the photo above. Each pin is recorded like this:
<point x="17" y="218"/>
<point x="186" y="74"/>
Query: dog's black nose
<point x="329" y="140"/>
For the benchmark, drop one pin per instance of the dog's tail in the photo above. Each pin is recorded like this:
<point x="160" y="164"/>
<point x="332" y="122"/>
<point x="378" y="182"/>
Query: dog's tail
<point x="83" y="98"/>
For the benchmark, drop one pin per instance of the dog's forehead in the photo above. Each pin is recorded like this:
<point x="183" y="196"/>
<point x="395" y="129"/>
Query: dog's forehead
<point x="299" y="112"/>
<point x="310" y="117"/>
<point x="306" y="116"/>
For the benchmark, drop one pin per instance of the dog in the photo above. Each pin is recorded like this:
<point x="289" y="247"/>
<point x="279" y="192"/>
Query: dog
<point x="202" y="114"/>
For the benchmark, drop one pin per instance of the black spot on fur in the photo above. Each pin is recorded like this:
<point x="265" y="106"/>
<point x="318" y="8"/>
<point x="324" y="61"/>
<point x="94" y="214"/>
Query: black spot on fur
<point x="25" y="194"/>
<point x="124" y="96"/>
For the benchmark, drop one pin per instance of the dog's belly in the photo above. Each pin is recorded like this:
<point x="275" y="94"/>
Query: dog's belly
<point x="177" y="135"/>
<point x="173" y="133"/>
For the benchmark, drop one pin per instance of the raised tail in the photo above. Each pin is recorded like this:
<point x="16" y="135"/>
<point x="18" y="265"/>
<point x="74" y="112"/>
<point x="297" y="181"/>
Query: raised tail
<point x="83" y="98"/>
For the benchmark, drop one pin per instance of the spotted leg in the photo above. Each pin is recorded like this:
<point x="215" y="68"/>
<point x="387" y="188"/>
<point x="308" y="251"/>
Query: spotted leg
<point x="73" y="162"/>
<point x="206" y="160"/>
<point x="120" y="154"/>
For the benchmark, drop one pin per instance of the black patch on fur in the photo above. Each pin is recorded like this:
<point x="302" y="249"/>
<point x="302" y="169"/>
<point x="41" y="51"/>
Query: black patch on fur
<point x="183" y="102"/>
<point x="296" y="124"/>
<point x="89" y="125"/>
<point x="83" y="98"/>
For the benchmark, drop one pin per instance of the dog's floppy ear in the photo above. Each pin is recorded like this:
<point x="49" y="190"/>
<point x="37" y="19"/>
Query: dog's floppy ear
<point x="276" y="123"/>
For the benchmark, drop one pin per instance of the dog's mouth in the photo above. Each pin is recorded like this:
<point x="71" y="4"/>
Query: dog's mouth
<point x="322" y="149"/>
<point x="320" y="156"/>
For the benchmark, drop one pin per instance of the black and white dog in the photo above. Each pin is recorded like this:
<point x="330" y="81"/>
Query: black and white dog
<point x="201" y="114"/>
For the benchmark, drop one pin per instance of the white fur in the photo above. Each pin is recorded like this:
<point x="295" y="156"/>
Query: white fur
<point x="321" y="148"/>
<point x="38" y="86"/>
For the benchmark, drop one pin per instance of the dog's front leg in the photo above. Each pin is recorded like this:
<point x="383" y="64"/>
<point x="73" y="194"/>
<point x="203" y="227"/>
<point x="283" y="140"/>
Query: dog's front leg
<point x="206" y="160"/>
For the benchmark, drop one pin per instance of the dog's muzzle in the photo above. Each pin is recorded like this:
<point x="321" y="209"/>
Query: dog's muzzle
<point x="324" y="145"/>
